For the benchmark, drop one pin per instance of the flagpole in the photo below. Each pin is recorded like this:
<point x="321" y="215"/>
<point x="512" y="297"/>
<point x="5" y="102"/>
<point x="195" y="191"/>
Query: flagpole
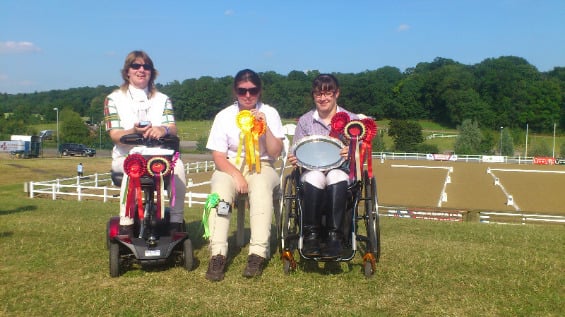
<point x="526" y="154"/>
<point x="553" y="155"/>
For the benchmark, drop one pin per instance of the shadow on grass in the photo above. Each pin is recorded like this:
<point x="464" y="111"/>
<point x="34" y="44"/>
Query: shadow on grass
<point x="19" y="209"/>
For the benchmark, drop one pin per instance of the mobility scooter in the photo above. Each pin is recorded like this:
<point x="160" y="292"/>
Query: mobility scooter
<point x="149" y="168"/>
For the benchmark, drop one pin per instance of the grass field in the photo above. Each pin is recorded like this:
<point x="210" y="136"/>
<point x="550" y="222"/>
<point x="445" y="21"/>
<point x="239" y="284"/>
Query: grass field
<point x="55" y="263"/>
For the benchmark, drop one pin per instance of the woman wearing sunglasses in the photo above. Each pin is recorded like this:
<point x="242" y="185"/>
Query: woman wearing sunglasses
<point x="239" y="170"/>
<point x="137" y="107"/>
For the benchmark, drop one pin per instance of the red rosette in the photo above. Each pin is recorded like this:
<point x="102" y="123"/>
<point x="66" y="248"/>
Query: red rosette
<point x="370" y="128"/>
<point x="367" y="147"/>
<point x="338" y="123"/>
<point x="355" y="129"/>
<point x="159" y="165"/>
<point x="134" y="165"/>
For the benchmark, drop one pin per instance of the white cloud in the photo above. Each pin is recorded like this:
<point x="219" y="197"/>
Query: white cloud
<point x="11" y="47"/>
<point x="229" y="12"/>
<point x="403" y="27"/>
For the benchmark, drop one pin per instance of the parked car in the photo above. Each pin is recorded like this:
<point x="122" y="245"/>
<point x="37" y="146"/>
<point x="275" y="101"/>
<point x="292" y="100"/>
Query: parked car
<point x="76" y="149"/>
<point x="46" y="134"/>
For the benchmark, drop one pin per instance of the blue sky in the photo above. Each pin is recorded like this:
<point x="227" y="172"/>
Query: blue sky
<point x="46" y="45"/>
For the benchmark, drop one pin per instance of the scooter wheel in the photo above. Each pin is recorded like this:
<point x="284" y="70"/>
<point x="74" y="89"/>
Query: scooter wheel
<point x="188" y="258"/>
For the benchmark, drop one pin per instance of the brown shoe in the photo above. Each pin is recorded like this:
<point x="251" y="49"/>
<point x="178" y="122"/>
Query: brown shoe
<point x="216" y="268"/>
<point x="254" y="266"/>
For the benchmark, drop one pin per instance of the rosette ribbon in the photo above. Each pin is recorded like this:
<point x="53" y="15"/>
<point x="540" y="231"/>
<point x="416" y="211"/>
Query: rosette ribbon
<point x="172" y="183"/>
<point x="259" y="128"/>
<point x="367" y="145"/>
<point x="251" y="130"/>
<point x="134" y="167"/>
<point x="338" y="123"/>
<point x="355" y="131"/>
<point x="159" y="167"/>
<point x="211" y="202"/>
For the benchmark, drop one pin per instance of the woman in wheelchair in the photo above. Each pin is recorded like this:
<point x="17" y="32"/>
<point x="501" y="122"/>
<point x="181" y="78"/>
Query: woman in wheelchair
<point x="322" y="188"/>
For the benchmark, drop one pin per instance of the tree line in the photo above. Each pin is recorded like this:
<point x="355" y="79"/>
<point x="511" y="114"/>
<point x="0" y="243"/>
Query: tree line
<point x="505" y="91"/>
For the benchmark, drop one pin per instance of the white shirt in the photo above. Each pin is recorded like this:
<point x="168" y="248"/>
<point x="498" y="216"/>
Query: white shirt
<point x="225" y="135"/>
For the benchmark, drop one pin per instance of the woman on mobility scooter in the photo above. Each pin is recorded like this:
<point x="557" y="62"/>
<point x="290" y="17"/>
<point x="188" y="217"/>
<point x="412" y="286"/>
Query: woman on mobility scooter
<point x="321" y="185"/>
<point x="138" y="108"/>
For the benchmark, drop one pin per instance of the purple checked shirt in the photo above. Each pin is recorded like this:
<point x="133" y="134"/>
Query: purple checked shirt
<point x="310" y="124"/>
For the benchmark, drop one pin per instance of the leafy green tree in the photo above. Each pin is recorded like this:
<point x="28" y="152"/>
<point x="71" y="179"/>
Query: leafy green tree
<point x="487" y="143"/>
<point x="406" y="135"/>
<point x="73" y="128"/>
<point x="379" y="142"/>
<point x="469" y="139"/>
<point x="507" y="143"/>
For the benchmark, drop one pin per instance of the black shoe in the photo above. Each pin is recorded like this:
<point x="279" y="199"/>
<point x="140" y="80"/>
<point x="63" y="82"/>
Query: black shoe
<point x="311" y="246"/>
<point x="334" y="246"/>
<point x="126" y="230"/>
<point x="216" y="268"/>
<point x="254" y="266"/>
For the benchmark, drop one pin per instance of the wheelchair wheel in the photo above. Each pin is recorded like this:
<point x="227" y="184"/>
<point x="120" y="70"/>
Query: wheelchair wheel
<point x="289" y="219"/>
<point x="372" y="215"/>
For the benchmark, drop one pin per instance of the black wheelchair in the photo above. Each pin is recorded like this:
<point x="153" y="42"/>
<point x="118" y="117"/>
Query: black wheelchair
<point x="362" y="208"/>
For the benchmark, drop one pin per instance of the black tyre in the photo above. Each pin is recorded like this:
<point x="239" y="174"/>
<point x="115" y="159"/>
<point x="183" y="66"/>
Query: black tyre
<point x="187" y="255"/>
<point x="372" y="215"/>
<point x="114" y="259"/>
<point x="287" y="267"/>
<point x="289" y="206"/>
<point x="368" y="269"/>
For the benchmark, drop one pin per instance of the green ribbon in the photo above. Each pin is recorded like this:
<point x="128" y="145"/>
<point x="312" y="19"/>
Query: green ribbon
<point x="211" y="202"/>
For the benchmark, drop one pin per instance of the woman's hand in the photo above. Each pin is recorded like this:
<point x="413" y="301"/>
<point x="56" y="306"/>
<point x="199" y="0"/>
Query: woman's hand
<point x="344" y="152"/>
<point x="240" y="183"/>
<point x="292" y="159"/>
<point x="258" y="115"/>
<point x="151" y="132"/>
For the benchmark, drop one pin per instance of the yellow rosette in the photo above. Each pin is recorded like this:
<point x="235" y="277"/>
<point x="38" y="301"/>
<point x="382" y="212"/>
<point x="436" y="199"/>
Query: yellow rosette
<point x="244" y="121"/>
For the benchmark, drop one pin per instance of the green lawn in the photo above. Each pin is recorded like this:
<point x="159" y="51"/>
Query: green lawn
<point x="54" y="262"/>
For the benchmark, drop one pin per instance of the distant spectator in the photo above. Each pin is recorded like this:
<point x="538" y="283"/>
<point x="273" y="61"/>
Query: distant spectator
<point x="80" y="170"/>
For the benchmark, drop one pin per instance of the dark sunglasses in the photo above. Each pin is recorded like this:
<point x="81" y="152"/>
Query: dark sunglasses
<point x="243" y="91"/>
<point x="137" y="66"/>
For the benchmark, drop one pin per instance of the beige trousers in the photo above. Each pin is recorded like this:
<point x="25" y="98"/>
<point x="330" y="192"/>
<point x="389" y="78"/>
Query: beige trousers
<point x="260" y="195"/>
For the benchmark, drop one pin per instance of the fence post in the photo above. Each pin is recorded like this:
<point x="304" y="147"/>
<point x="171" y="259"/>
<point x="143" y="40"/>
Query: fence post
<point x="79" y="191"/>
<point x="105" y="193"/>
<point x="96" y="180"/>
<point x="30" y="189"/>
<point x="54" y="195"/>
<point x="189" y="199"/>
